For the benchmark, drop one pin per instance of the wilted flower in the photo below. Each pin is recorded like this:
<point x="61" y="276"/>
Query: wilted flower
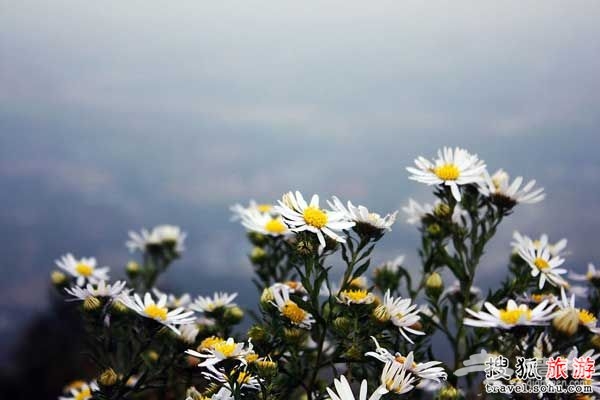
<point x="83" y="269"/>
<point x="452" y="168"/>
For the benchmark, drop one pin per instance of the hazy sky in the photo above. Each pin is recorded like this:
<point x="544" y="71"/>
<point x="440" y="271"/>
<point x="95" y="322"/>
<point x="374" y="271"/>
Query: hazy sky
<point x="121" y="114"/>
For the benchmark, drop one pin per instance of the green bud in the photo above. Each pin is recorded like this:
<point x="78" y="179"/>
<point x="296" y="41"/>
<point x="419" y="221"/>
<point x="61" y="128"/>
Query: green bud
<point x="434" y="229"/>
<point x="434" y="285"/>
<point x="233" y="315"/>
<point x="448" y="393"/>
<point x="257" y="239"/>
<point x="342" y="325"/>
<point x="58" y="279"/>
<point x="442" y="210"/>
<point x="132" y="269"/>
<point x="304" y="248"/>
<point x="258" y="255"/>
<point x="294" y="335"/>
<point x="354" y="353"/>
<point x="92" y="303"/>
<point x="266" y="367"/>
<point x="258" y="334"/>
<point x="595" y="341"/>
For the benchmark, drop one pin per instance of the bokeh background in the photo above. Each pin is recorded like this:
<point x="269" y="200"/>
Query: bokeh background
<point x="120" y="115"/>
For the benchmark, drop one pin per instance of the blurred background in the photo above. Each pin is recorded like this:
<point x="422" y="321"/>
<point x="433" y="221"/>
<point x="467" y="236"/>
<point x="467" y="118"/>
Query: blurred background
<point x="122" y="115"/>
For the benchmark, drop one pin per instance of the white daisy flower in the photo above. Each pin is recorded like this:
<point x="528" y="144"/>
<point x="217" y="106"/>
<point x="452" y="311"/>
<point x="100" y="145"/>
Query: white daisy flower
<point x="83" y="391"/>
<point x="452" y="168"/>
<point x="174" y="301"/>
<point x="355" y="296"/>
<point x="167" y="235"/>
<point x="84" y="269"/>
<point x="415" y="212"/>
<point x="264" y="223"/>
<point x="220" y="350"/>
<point x="344" y="391"/>
<point x="302" y="216"/>
<point x="210" y="304"/>
<point x="396" y="379"/>
<point x="291" y="310"/>
<point x="585" y="317"/>
<point x="362" y="216"/>
<point x="239" y="210"/>
<point x="592" y="274"/>
<point x="424" y="371"/>
<point x="511" y="316"/>
<point x="237" y="377"/>
<point x="542" y="263"/>
<point x="158" y="311"/>
<point x="400" y="312"/>
<point x="291" y="286"/>
<point x="556" y="250"/>
<point x="392" y="265"/>
<point x="499" y="186"/>
<point x="454" y="291"/>
<point x="100" y="290"/>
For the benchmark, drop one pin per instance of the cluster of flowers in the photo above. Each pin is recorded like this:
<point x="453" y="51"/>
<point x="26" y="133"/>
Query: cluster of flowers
<point x="309" y="328"/>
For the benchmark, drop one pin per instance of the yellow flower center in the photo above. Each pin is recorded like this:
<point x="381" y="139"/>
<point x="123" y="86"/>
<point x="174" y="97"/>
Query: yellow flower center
<point x="264" y="208"/>
<point x="586" y="317"/>
<point x="293" y="312"/>
<point x="402" y="360"/>
<point x="84" y="394"/>
<point x="84" y="269"/>
<point x="243" y="377"/>
<point x="225" y="348"/>
<point x="294" y="285"/>
<point x="447" y="172"/>
<point x="541" y="264"/>
<point x="275" y="226"/>
<point x="315" y="217"/>
<point x="251" y="357"/>
<point x="511" y="317"/>
<point x="210" y="342"/>
<point x="156" y="312"/>
<point x="538" y="297"/>
<point x="356" y="295"/>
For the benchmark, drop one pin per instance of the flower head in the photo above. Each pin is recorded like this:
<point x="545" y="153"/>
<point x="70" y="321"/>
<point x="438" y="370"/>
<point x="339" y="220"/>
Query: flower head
<point x="239" y="210"/>
<point x="400" y="312"/>
<point x="556" y="249"/>
<point x="219" y="349"/>
<point x="80" y="391"/>
<point x="265" y="223"/>
<point x="395" y="378"/>
<point x="580" y="316"/>
<point x="365" y="220"/>
<point x="415" y="212"/>
<point x="210" y="304"/>
<point x="170" y="236"/>
<point x="355" y="296"/>
<point x="592" y="275"/>
<point x="99" y="290"/>
<point x="158" y="311"/>
<point x="452" y="168"/>
<point x="302" y="216"/>
<point x="343" y="391"/>
<point x="84" y="269"/>
<point x="542" y="262"/>
<point x="503" y="192"/>
<point x="511" y="316"/>
<point x="289" y="309"/>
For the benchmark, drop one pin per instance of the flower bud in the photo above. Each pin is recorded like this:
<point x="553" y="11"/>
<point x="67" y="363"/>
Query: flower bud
<point x="132" y="268"/>
<point x="266" y="297"/>
<point x="257" y="239"/>
<point x="266" y="367"/>
<point x="304" y="248"/>
<point x="294" y="335"/>
<point x="233" y="315"/>
<point x="595" y="341"/>
<point x="58" y="278"/>
<point x="434" y="285"/>
<point x="434" y="229"/>
<point x="448" y="392"/>
<point x="258" y="334"/>
<point x="152" y="356"/>
<point x="381" y="314"/>
<point x="92" y="303"/>
<point x="118" y="307"/>
<point x="566" y="321"/>
<point x="258" y="255"/>
<point x="342" y="325"/>
<point x="193" y="394"/>
<point x="108" y="378"/>
<point x="442" y="210"/>
<point x="354" y="353"/>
